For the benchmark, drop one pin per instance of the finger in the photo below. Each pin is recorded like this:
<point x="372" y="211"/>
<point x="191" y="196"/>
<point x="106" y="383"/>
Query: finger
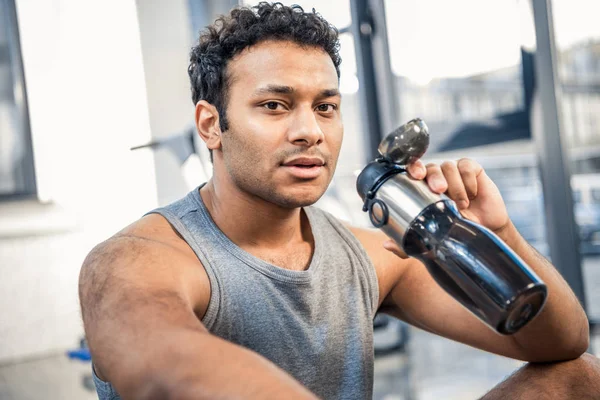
<point x="417" y="170"/>
<point x="456" y="188"/>
<point x="435" y="178"/>
<point x="392" y="246"/>
<point x="469" y="170"/>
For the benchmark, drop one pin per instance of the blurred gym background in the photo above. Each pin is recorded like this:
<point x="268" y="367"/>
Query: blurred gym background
<point x="96" y="128"/>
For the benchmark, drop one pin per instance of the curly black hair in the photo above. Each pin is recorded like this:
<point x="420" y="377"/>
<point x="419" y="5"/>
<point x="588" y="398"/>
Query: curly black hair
<point x="247" y="26"/>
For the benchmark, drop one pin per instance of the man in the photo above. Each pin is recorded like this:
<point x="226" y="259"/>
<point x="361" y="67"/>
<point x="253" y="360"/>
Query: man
<point x="242" y="290"/>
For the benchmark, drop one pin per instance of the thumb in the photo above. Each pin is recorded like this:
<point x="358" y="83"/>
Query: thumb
<point x="392" y="246"/>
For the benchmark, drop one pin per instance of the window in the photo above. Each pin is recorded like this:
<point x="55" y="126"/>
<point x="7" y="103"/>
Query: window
<point x="577" y="196"/>
<point x="469" y="79"/>
<point x="596" y="196"/>
<point x="17" y="177"/>
<point x="578" y="54"/>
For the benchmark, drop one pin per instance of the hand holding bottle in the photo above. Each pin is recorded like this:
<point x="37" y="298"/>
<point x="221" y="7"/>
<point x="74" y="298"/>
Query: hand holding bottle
<point x="476" y="196"/>
<point x="453" y="219"/>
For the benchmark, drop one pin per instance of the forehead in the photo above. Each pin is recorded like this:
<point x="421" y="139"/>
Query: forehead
<point x="282" y="63"/>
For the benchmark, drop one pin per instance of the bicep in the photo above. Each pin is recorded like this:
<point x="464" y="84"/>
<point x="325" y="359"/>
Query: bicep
<point x="417" y="299"/>
<point x="132" y="297"/>
<point x="143" y="331"/>
<point x="408" y="292"/>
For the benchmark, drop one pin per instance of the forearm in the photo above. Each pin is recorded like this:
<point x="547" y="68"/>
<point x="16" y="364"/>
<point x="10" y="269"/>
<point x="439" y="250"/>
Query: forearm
<point x="561" y="331"/>
<point x="206" y="367"/>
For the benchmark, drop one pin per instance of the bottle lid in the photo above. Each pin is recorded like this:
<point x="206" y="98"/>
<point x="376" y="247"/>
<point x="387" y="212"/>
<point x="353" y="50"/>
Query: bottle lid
<point x="406" y="144"/>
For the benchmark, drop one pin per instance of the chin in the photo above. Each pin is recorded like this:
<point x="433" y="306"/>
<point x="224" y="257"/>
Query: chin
<point x="299" y="197"/>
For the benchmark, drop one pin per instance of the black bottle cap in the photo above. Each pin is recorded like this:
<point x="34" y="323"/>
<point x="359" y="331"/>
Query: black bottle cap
<point x="373" y="176"/>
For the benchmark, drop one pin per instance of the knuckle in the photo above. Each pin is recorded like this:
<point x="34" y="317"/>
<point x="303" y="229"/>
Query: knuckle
<point x="416" y="167"/>
<point x="465" y="161"/>
<point x="457" y="189"/>
<point x="466" y="165"/>
<point x="461" y="196"/>
<point x="447" y="166"/>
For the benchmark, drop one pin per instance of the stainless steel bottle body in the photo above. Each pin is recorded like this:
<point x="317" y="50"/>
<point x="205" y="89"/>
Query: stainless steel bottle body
<point x="404" y="198"/>
<point x="467" y="260"/>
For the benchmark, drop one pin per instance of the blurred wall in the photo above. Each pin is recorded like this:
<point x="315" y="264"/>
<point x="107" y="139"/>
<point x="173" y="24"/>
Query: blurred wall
<point x="165" y="32"/>
<point x="86" y="90"/>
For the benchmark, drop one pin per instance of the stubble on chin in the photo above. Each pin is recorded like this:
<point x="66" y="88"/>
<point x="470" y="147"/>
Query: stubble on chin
<point x="243" y="174"/>
<point x="289" y="200"/>
<point x="295" y="202"/>
<point x="267" y="190"/>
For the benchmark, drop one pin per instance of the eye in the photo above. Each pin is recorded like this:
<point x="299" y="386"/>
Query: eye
<point x="326" y="108"/>
<point x="272" y="105"/>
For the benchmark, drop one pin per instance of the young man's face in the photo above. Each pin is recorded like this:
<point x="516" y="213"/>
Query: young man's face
<point x="285" y="126"/>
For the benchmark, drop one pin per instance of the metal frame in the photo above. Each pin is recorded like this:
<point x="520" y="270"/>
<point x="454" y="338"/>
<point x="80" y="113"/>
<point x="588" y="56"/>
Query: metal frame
<point x="363" y="29"/>
<point x="386" y="83"/>
<point x="561" y="228"/>
<point x="377" y="90"/>
<point x="19" y="89"/>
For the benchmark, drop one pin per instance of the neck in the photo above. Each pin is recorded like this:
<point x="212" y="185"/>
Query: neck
<point x="252" y="222"/>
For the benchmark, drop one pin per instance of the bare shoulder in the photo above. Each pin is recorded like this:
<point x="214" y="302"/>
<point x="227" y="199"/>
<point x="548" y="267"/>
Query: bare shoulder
<point x="389" y="267"/>
<point x="145" y="275"/>
<point x="147" y="253"/>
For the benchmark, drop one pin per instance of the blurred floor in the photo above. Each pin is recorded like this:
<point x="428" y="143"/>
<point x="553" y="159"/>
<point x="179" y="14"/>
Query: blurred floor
<point x="50" y="378"/>
<point x="431" y="368"/>
<point x="436" y="368"/>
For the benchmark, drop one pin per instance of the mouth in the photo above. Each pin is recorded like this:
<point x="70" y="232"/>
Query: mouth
<point x="305" y="162"/>
<point x="305" y="168"/>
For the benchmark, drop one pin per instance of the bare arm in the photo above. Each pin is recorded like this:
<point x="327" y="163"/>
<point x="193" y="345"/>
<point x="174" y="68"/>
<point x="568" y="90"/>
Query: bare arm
<point x="560" y="332"/>
<point x="138" y="300"/>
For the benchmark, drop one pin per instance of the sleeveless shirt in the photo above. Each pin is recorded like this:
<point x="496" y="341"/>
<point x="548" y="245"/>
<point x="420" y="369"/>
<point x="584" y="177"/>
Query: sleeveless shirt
<point x="316" y="324"/>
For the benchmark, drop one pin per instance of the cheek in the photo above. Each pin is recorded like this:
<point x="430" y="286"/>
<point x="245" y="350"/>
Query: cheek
<point x="336" y="139"/>
<point x="341" y="136"/>
<point x="253" y="139"/>
<point x="243" y="151"/>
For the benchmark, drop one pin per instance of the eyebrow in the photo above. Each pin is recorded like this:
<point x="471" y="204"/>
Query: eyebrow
<point x="275" y="89"/>
<point x="329" y="93"/>
<point x="282" y="89"/>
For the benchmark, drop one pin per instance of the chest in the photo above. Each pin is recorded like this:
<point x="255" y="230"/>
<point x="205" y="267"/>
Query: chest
<point x="297" y="258"/>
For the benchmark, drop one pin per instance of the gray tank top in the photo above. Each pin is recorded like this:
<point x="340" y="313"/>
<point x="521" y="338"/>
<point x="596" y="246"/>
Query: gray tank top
<point x="315" y="324"/>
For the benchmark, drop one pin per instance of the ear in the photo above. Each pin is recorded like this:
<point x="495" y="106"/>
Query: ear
<point x="207" y="124"/>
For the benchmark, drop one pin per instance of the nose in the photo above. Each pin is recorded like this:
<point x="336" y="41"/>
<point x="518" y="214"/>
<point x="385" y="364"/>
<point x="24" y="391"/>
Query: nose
<point x="305" y="129"/>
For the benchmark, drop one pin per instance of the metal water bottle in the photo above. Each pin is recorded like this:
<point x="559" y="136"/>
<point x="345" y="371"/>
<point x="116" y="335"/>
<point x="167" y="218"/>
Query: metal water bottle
<point x="466" y="259"/>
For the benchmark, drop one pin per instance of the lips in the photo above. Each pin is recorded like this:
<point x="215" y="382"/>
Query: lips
<point x="305" y="162"/>
<point x="305" y="167"/>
